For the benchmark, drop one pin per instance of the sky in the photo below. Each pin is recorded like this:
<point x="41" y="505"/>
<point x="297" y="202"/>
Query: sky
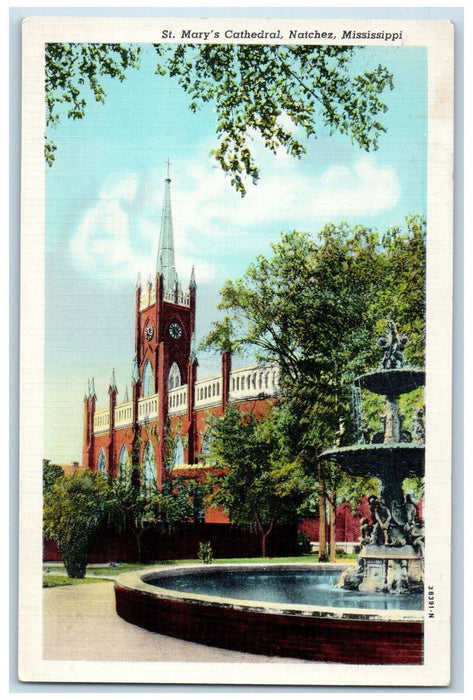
<point x="103" y="209"/>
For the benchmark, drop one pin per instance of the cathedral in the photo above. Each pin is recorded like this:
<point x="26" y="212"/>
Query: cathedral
<point x="169" y="403"/>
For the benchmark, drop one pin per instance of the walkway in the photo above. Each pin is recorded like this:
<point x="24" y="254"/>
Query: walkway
<point x="80" y="623"/>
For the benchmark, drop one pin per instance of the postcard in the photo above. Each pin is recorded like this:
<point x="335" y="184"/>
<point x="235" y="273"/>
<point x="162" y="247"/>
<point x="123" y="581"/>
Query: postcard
<point x="236" y="311"/>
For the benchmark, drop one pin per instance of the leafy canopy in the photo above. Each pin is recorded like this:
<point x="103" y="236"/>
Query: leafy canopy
<point x="260" y="90"/>
<point x="317" y="307"/>
<point x="259" y="485"/>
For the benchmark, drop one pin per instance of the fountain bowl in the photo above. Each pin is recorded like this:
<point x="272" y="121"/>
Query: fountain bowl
<point x="347" y="635"/>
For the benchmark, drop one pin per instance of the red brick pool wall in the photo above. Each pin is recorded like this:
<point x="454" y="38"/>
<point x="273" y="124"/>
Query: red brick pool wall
<point x="348" y="641"/>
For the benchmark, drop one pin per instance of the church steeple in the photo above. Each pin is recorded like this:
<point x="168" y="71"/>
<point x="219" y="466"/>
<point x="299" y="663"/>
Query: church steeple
<point x="166" y="265"/>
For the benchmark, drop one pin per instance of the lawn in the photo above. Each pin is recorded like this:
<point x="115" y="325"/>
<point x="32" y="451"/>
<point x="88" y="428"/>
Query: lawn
<point x="96" y="572"/>
<point x="54" y="580"/>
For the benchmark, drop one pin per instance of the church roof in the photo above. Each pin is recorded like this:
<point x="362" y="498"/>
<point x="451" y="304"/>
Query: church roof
<point x="166" y="265"/>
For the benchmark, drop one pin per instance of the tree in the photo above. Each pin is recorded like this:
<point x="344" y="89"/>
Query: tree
<point x="316" y="307"/>
<point x="71" y="69"/>
<point x="135" y="508"/>
<point x="73" y="512"/>
<point x="253" y="88"/>
<point x="51" y="472"/>
<point x="259" y="487"/>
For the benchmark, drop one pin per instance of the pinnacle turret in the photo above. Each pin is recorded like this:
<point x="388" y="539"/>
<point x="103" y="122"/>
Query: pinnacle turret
<point x="113" y="384"/>
<point x="135" y="377"/>
<point x="192" y="284"/>
<point x="193" y="353"/>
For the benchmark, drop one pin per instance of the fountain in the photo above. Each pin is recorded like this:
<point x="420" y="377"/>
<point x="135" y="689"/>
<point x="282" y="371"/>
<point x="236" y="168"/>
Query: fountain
<point x="301" y="612"/>
<point x="392" y="545"/>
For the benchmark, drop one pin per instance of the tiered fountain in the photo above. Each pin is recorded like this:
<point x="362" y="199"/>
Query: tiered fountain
<point x="392" y="545"/>
<point x="297" y="610"/>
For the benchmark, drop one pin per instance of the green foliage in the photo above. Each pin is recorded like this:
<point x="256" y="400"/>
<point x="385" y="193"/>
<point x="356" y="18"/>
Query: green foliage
<point x="415" y="487"/>
<point x="74" y="510"/>
<point x="131" y="508"/>
<point x="317" y="308"/>
<point x="51" y="473"/>
<point x="352" y="488"/>
<point x="205" y="553"/>
<point x="73" y="73"/>
<point x="253" y="88"/>
<point x="259" y="486"/>
<point x="221" y="338"/>
<point x="76" y="507"/>
<point x="303" y="543"/>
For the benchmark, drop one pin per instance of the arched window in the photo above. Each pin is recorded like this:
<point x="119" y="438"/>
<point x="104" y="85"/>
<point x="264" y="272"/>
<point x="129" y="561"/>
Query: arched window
<point x="178" y="456"/>
<point x="149" y="465"/>
<point x="207" y="440"/>
<point x="123" y="462"/>
<point x="174" y="377"/>
<point x="148" y="379"/>
<point x="102" y="462"/>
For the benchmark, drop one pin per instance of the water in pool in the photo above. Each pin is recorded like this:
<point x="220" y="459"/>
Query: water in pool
<point x="297" y="587"/>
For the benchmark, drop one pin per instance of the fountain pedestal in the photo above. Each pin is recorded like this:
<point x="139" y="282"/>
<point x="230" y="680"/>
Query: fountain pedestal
<point x="393" y="569"/>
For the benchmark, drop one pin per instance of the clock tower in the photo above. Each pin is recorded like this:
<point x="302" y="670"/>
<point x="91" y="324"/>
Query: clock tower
<point x="164" y="334"/>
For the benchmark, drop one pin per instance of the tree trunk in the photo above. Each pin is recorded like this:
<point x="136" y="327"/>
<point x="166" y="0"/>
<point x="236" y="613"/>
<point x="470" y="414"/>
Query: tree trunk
<point x="263" y="544"/>
<point x="322" y="518"/>
<point x="264" y="534"/>
<point x="332" y="515"/>
<point x="138" y="545"/>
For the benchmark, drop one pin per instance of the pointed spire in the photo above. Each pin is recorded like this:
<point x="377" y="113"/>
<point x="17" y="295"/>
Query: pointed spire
<point x="135" y="377"/>
<point x="126" y="398"/>
<point x="113" y="384"/>
<point x="138" y="281"/>
<point x="166" y="265"/>
<point x="92" y="389"/>
<point x="87" y="393"/>
<point x="192" y="284"/>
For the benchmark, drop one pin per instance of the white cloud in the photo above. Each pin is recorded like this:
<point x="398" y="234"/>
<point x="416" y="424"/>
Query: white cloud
<point x="118" y="236"/>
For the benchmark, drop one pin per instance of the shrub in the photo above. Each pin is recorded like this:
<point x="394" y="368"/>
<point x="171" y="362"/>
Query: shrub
<point x="303" y="543"/>
<point x="205" y="553"/>
<point x="73" y="512"/>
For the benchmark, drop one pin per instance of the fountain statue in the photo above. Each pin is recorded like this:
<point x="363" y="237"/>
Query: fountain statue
<point x="392" y="544"/>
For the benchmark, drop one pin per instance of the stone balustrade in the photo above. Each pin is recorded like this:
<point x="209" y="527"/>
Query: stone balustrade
<point x="124" y="414"/>
<point x="177" y="400"/>
<point x="251" y="382"/>
<point x="181" y="298"/>
<point x="148" y="408"/>
<point x="246" y="383"/>
<point x="148" y="297"/>
<point x="102" y="421"/>
<point x="208" y="392"/>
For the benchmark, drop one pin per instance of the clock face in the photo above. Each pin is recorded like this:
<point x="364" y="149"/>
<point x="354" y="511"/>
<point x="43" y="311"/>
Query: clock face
<point x="175" y="331"/>
<point x="149" y="330"/>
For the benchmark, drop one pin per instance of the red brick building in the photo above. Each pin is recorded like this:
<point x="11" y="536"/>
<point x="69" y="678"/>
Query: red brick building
<point x="168" y="398"/>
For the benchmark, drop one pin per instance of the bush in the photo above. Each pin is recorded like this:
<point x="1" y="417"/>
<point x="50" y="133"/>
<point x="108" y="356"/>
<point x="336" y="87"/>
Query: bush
<point x="205" y="553"/>
<point x="303" y="543"/>
<point x="73" y="513"/>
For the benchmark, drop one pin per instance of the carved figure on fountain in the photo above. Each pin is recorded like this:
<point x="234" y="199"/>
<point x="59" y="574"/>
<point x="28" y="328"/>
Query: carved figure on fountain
<point x="393" y="344"/>
<point x="418" y="425"/>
